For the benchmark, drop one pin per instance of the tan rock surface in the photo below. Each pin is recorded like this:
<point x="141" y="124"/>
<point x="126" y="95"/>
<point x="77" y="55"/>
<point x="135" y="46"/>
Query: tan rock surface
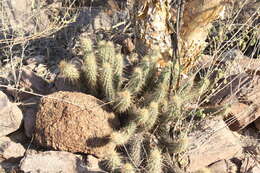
<point x="10" y="149"/>
<point x="211" y="143"/>
<point x="75" y="122"/>
<point x="10" y="116"/>
<point x="53" y="162"/>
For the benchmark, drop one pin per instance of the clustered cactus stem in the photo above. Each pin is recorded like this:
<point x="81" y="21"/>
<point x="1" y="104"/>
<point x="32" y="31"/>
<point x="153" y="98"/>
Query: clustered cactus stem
<point x="142" y="97"/>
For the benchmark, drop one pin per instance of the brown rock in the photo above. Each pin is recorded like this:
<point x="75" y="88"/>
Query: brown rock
<point x="229" y="88"/>
<point x="212" y="142"/>
<point x="240" y="115"/>
<point x="28" y="81"/>
<point x="75" y="122"/>
<point x="128" y="45"/>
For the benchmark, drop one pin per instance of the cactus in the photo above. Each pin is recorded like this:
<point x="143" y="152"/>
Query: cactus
<point x="153" y="111"/>
<point x="158" y="94"/>
<point x="136" y="81"/>
<point x="90" y="71"/>
<point x="69" y="71"/>
<point x="127" y="168"/>
<point x="118" y="71"/>
<point x="142" y="116"/>
<point x="123" y="101"/>
<point x="106" y="81"/>
<point x="86" y="43"/>
<point x="106" y="52"/>
<point x="136" y="149"/>
<point x="142" y="99"/>
<point x="114" y="161"/>
<point x="122" y="136"/>
<point x="155" y="160"/>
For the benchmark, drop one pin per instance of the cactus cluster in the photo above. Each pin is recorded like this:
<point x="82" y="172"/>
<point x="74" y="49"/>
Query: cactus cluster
<point x="141" y="98"/>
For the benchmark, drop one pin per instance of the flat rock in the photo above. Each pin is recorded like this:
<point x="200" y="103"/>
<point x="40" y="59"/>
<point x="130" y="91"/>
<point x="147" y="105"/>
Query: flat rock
<point x="10" y="149"/>
<point x="213" y="141"/>
<point x="75" y="122"/>
<point x="53" y="162"/>
<point x="10" y="116"/>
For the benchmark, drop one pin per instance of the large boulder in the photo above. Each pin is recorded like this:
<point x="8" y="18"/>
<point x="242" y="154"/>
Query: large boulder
<point x="10" y="116"/>
<point x="75" y="122"/>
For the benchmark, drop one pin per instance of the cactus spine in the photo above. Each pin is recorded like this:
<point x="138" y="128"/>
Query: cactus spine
<point x="136" y="149"/>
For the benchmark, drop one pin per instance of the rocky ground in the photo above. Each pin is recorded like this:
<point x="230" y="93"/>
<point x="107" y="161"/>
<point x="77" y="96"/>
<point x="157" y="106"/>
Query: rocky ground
<point x="43" y="99"/>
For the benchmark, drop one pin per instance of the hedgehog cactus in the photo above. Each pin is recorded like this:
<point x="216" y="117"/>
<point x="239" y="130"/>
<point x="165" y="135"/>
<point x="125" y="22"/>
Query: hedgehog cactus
<point x="141" y="96"/>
